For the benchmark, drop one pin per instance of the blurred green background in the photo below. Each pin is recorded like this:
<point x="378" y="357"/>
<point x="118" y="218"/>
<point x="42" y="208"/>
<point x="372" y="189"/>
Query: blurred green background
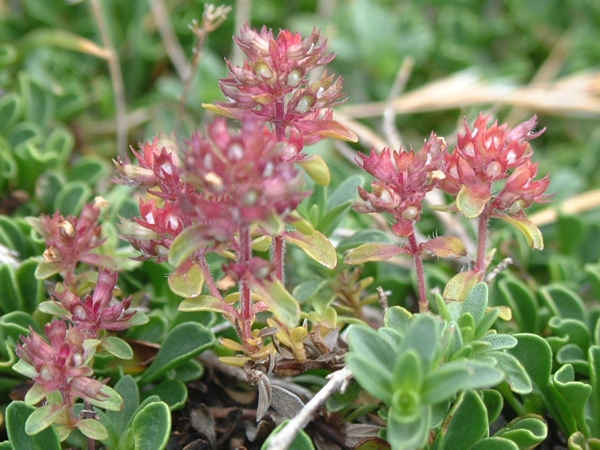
<point x="513" y="58"/>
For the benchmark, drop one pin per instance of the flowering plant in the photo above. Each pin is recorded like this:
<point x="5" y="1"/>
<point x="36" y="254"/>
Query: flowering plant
<point x="260" y="256"/>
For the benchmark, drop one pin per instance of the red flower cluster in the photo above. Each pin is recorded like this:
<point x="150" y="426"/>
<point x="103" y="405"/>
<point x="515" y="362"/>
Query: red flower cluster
<point x="224" y="180"/>
<point x="94" y="313"/>
<point x="485" y="155"/>
<point x="71" y="240"/>
<point x="482" y="157"/>
<point x="273" y="85"/>
<point x="402" y="181"/>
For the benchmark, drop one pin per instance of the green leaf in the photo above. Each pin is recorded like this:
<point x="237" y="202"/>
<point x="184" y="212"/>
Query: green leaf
<point x="127" y="388"/>
<point x="117" y="347"/>
<point x="182" y="343"/>
<point x="397" y="318"/>
<point x="173" y="392"/>
<point x="151" y="426"/>
<point x="315" y="245"/>
<point x="594" y="360"/>
<point x="345" y="192"/>
<point x="460" y="285"/>
<point x="72" y="197"/>
<point x="92" y="429"/>
<point x="499" y="341"/>
<point x="494" y="402"/>
<point x="472" y="199"/>
<point x="526" y="431"/>
<point x="409" y="435"/>
<point x="10" y="109"/>
<point x="317" y="169"/>
<point x="423" y="325"/>
<point x="301" y="441"/>
<point x="515" y="373"/>
<point x="202" y="303"/>
<point x="373" y="252"/>
<point x="565" y="303"/>
<point x="467" y="425"/>
<point x="186" y="243"/>
<point x="10" y="294"/>
<point x="42" y="418"/>
<point x="17" y="414"/>
<point x="109" y="399"/>
<point x="281" y="303"/>
<point x="532" y="234"/>
<point x="522" y="303"/>
<point x="494" y="443"/>
<point x="445" y="247"/>
<point x="476" y="302"/>
<point x="363" y="237"/>
<point x="575" y="393"/>
<point x="186" y="280"/>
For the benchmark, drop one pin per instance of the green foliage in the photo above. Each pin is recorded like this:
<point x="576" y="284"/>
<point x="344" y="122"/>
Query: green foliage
<point x="438" y="380"/>
<point x="418" y="380"/>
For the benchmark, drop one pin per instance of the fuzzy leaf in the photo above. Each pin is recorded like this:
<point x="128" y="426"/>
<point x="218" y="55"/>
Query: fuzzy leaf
<point x="476" y="302"/>
<point x="182" y="343"/>
<point x="526" y="431"/>
<point x="117" y="347"/>
<point x="472" y="199"/>
<point x="186" y="243"/>
<point x="327" y="128"/>
<point x="281" y="303"/>
<point x="315" y="245"/>
<point x="17" y="414"/>
<point x="173" y="392"/>
<point x="460" y="285"/>
<point x="219" y="110"/>
<point x="515" y="374"/>
<point x="409" y="435"/>
<point x="532" y="234"/>
<point x="202" y="303"/>
<point x="445" y="246"/>
<point x="42" y="418"/>
<point x="373" y="252"/>
<point x="317" y="169"/>
<point x="110" y="399"/>
<point x="92" y="429"/>
<point x="187" y="280"/>
<point x="363" y="237"/>
<point x="468" y="423"/>
<point x="152" y="426"/>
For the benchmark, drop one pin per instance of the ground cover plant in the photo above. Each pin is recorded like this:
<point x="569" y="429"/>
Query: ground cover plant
<point x="273" y="265"/>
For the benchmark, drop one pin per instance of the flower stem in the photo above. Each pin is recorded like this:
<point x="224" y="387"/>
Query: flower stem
<point x="482" y="231"/>
<point x="245" y="294"/>
<point x="208" y="276"/>
<point x="416" y="254"/>
<point x="278" y="254"/>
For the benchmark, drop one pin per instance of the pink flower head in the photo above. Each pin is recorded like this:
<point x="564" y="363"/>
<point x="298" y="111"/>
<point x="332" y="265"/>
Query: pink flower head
<point x="94" y="312"/>
<point x="402" y="179"/>
<point x="71" y="240"/>
<point x="240" y="178"/>
<point x="158" y="166"/>
<point x="273" y="86"/>
<point x="484" y="155"/>
<point x="520" y="190"/>
<point x="58" y="362"/>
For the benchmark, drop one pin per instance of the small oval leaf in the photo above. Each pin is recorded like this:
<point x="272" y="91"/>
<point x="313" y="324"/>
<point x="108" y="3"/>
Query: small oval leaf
<point x="315" y="245"/>
<point x="373" y="251"/>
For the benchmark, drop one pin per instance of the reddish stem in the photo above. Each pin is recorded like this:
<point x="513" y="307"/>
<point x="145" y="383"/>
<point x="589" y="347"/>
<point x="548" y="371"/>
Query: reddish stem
<point x="482" y="231"/>
<point x="208" y="276"/>
<point x="416" y="254"/>
<point x="245" y="295"/>
<point x="278" y="254"/>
